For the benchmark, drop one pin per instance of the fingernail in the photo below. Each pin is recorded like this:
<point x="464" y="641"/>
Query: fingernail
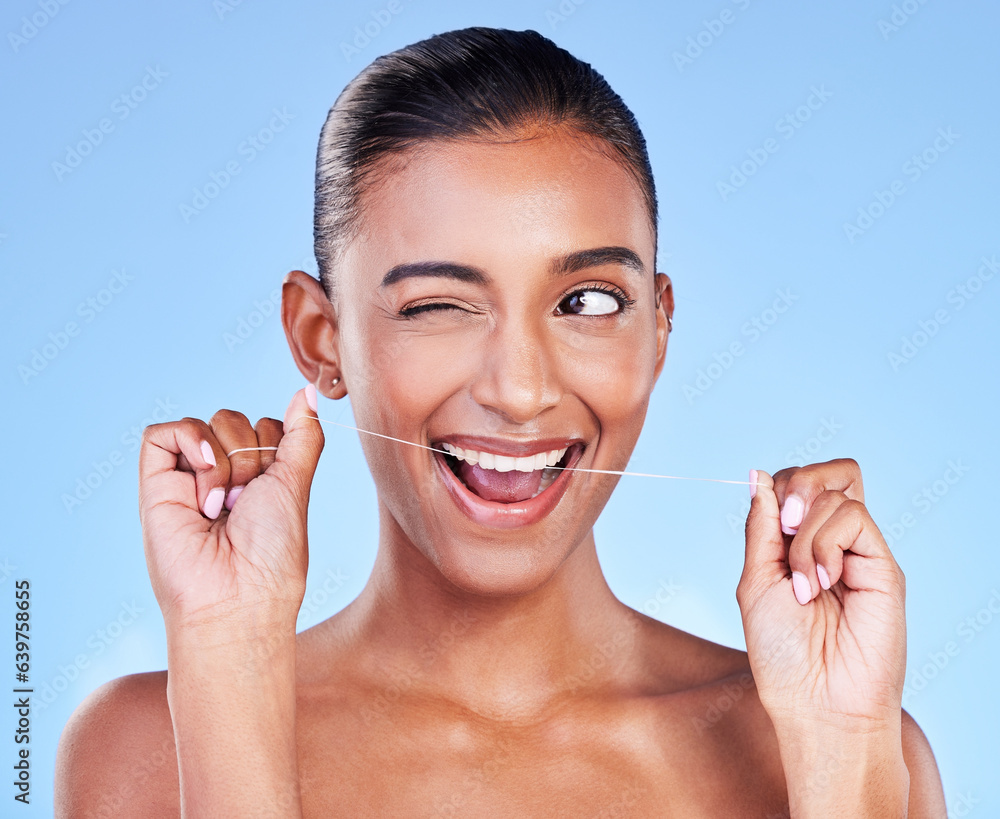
<point x="311" y="396"/>
<point x="232" y="495"/>
<point x="824" y="578"/>
<point x="800" y="585"/>
<point x="207" y="454"/>
<point x="753" y="484"/>
<point x="213" y="503"/>
<point x="791" y="514"/>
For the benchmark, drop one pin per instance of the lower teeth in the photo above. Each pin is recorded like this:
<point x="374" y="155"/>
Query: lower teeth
<point x="548" y="475"/>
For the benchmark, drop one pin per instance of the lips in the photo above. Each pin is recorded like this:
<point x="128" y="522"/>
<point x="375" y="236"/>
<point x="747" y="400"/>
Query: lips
<point x="509" y="497"/>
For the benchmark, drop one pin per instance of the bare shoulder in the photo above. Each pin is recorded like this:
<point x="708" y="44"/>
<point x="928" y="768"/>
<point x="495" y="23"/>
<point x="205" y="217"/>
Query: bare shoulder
<point x="724" y="751"/>
<point x="718" y="688"/>
<point x="116" y="755"/>
<point x="926" y="791"/>
<point x="683" y="660"/>
<point x="730" y="731"/>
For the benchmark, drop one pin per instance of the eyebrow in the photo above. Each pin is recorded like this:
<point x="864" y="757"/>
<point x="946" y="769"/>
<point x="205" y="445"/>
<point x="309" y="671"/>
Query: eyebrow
<point x="564" y="265"/>
<point x="582" y="259"/>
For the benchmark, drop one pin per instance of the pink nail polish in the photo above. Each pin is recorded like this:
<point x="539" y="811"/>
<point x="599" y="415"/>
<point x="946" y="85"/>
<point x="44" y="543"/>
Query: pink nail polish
<point x="824" y="578"/>
<point x="791" y="514"/>
<point x="232" y="495"/>
<point x="800" y="585"/>
<point x="311" y="397"/>
<point x="207" y="454"/>
<point x="213" y="503"/>
<point x="753" y="484"/>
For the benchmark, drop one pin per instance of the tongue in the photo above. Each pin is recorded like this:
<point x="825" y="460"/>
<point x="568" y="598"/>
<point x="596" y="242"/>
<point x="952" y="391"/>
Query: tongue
<point x="500" y="487"/>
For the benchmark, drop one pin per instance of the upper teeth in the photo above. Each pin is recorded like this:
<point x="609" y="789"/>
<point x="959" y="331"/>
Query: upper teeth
<point x="506" y="463"/>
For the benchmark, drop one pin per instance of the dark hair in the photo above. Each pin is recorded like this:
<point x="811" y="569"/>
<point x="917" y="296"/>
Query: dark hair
<point x="474" y="82"/>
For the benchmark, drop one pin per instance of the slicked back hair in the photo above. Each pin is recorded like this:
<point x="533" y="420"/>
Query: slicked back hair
<point x="473" y="83"/>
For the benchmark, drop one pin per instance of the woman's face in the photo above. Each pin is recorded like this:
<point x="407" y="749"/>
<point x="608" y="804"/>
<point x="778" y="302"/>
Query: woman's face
<point x="500" y="298"/>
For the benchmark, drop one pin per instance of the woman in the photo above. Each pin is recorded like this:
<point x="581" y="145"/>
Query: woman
<point x="486" y="234"/>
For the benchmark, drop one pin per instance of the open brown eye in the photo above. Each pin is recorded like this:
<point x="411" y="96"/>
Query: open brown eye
<point x="590" y="303"/>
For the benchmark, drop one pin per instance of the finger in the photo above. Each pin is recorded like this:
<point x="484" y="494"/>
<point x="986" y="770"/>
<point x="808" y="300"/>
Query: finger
<point x="809" y="560"/>
<point x="796" y="489"/>
<point x="233" y="431"/>
<point x="188" y="445"/>
<point x="301" y="442"/>
<point x="867" y="563"/>
<point x="764" y="563"/>
<point x="269" y="432"/>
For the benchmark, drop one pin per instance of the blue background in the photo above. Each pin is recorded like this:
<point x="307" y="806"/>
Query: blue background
<point x="194" y="329"/>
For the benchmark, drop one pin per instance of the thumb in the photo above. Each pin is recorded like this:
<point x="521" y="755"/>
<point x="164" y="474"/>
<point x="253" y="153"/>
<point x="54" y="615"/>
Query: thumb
<point x="302" y="442"/>
<point x="766" y="555"/>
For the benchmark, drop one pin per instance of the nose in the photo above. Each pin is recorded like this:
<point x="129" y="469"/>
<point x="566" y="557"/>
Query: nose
<point x="519" y="378"/>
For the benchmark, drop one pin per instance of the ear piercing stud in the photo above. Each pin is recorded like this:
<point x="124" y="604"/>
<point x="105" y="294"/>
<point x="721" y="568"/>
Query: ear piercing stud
<point x="335" y="381"/>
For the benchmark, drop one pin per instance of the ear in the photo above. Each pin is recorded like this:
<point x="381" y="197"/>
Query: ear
<point x="664" y="318"/>
<point x="311" y="328"/>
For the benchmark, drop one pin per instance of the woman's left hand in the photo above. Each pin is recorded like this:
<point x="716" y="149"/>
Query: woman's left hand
<point x="822" y="601"/>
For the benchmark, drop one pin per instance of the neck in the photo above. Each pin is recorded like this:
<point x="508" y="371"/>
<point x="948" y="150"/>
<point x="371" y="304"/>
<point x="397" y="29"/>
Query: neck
<point x="504" y="657"/>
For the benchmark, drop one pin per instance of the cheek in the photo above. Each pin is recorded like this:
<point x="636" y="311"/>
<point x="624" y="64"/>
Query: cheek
<point x="403" y="377"/>
<point x="614" y="377"/>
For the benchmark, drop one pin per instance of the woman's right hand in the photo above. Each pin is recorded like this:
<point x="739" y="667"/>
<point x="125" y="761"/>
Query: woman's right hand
<point x="227" y="536"/>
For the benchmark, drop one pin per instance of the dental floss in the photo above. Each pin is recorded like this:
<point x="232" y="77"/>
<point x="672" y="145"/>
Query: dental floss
<point x="432" y="449"/>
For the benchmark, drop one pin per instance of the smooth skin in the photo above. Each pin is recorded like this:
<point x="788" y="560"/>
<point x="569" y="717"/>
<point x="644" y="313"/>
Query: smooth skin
<point x="485" y="671"/>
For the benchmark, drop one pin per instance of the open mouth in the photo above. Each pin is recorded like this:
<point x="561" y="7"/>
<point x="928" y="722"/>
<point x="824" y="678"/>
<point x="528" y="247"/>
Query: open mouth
<point x="507" y="479"/>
